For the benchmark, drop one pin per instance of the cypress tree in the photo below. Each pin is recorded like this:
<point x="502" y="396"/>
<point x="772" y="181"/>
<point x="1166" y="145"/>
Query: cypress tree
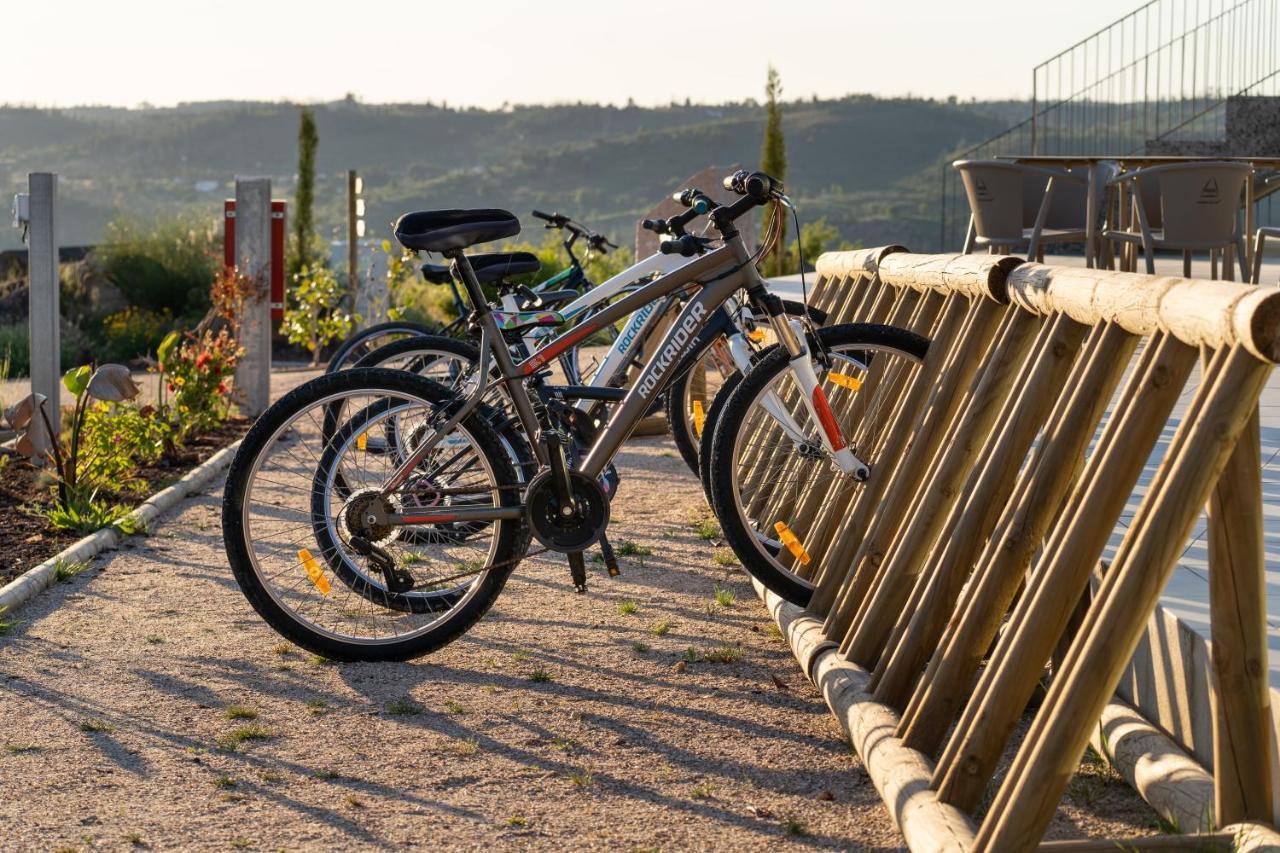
<point x="773" y="161"/>
<point x="304" y="196"/>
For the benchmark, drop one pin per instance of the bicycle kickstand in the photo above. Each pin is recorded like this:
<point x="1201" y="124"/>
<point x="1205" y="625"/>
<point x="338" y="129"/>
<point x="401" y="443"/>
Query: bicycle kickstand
<point x="610" y="558"/>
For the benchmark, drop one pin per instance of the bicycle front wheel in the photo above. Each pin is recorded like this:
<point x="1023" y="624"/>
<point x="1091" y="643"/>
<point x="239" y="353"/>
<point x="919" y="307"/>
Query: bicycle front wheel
<point x="367" y="340"/>
<point x="771" y="476"/>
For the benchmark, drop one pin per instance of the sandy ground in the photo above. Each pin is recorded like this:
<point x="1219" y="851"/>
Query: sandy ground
<point x="559" y="722"/>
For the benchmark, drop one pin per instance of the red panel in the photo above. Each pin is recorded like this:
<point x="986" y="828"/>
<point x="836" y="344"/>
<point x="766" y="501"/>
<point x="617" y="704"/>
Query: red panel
<point x="278" y="220"/>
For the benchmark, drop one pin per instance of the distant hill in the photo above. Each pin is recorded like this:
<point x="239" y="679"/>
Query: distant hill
<point x="869" y="165"/>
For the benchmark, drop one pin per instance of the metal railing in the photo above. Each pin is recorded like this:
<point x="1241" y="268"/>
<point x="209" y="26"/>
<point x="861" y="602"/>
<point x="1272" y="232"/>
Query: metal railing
<point x="1165" y="72"/>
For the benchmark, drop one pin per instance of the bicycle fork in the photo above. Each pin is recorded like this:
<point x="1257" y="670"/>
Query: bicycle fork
<point x="791" y="334"/>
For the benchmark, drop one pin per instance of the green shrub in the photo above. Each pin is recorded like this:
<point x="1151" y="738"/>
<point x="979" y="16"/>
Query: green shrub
<point x="15" y="349"/>
<point x="134" y="332"/>
<point x="167" y="265"/>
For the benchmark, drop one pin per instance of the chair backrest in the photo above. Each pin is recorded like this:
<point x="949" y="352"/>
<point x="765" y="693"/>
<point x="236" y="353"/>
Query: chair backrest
<point x="1070" y="205"/>
<point x="1198" y="201"/>
<point x="995" y="191"/>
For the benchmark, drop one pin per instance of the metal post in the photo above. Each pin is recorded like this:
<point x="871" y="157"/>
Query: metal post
<point x="353" y="274"/>
<point x="253" y="259"/>
<point x="42" y="277"/>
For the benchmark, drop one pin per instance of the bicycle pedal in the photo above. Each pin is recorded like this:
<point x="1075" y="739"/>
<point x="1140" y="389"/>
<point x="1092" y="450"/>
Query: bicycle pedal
<point x="610" y="558"/>
<point x="397" y="579"/>
<point x="578" y="571"/>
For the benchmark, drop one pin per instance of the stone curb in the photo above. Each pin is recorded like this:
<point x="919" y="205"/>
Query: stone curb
<point x="33" y="581"/>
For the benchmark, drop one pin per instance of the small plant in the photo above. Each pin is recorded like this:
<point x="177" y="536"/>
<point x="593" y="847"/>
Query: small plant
<point x="315" y="316"/>
<point x="240" y="712"/>
<point x="724" y="654"/>
<point x="581" y="778"/>
<point x="774" y="632"/>
<point x="404" y="707"/>
<point x="77" y="475"/>
<point x="702" y="791"/>
<point x="155" y="641"/>
<point x="241" y="843"/>
<point x="520" y="657"/>
<point x="132" y="525"/>
<point x="708" y="529"/>
<point x="793" y="826"/>
<point x="539" y="675"/>
<point x="724" y="558"/>
<point x="224" y="782"/>
<point x="725" y="597"/>
<point x="661" y="627"/>
<point x="466" y="746"/>
<point x="96" y="727"/>
<point x="317" y="707"/>
<point x="197" y="371"/>
<point x="354" y="802"/>
<point x="628" y="548"/>
<point x="321" y="660"/>
<point x="639" y="647"/>
<point x="283" y="650"/>
<point x="66" y="570"/>
<point x="134" y="838"/>
<point x="517" y="821"/>
<point x="626" y="608"/>
<point x="563" y="744"/>
<point x="690" y="655"/>
<point x="232" y="740"/>
<point x="326" y="775"/>
<point x="7" y="623"/>
<point x="454" y="707"/>
<point x="84" y="514"/>
<point x="20" y="748"/>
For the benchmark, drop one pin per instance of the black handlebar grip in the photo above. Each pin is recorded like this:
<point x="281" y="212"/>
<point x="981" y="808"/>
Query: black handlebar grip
<point x="757" y="185"/>
<point x="541" y="215"/>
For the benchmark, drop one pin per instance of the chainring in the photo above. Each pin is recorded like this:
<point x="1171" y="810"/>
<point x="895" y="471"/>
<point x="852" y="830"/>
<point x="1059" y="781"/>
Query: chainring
<point x="566" y="534"/>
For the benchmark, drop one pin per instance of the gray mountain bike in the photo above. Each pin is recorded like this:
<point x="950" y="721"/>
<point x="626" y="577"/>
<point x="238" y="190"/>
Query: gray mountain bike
<point x="375" y="514"/>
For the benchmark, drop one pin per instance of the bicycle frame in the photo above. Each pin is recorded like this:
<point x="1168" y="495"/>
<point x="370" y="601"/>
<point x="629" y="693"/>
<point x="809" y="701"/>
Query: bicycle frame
<point x="725" y="270"/>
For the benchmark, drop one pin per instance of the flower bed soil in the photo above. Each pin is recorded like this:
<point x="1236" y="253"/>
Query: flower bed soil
<point x="27" y="538"/>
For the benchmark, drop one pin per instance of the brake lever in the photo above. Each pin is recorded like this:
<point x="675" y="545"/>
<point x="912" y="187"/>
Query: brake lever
<point x="786" y="202"/>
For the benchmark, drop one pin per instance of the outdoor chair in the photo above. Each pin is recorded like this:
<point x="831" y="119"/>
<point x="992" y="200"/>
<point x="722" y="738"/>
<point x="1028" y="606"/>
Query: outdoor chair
<point x="1259" y="241"/>
<point x="1016" y="204"/>
<point x="1199" y="206"/>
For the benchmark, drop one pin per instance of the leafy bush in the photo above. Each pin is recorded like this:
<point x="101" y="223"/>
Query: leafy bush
<point x="134" y="332"/>
<point x="196" y="370"/>
<point x="316" y="316"/>
<point x="15" y="347"/>
<point x="116" y="438"/>
<point x="167" y="265"/>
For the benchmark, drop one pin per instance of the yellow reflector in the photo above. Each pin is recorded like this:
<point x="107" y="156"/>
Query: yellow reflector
<point x="699" y="418"/>
<point x="313" y="571"/>
<point x="756" y="335"/>
<point x="844" y="380"/>
<point x="793" y="544"/>
<point x="362" y="441"/>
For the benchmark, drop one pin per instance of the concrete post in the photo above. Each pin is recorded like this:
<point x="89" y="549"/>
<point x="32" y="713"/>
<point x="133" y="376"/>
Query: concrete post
<point x="42" y="277"/>
<point x="253" y="259"/>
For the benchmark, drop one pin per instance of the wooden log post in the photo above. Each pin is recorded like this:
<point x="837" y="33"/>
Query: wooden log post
<point x="252" y="391"/>
<point x="43" y="286"/>
<point x="1242" y="742"/>
<point x="1030" y="793"/>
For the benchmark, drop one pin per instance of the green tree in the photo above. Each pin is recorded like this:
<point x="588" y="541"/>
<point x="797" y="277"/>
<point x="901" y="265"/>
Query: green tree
<point x="773" y="161"/>
<point x="304" y="239"/>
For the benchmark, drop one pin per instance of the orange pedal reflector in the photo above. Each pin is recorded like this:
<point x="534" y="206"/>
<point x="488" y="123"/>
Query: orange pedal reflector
<point x="699" y="417"/>
<point x="844" y="380"/>
<point x="793" y="544"/>
<point x="313" y="571"/>
<point x="362" y="441"/>
<point x="756" y="335"/>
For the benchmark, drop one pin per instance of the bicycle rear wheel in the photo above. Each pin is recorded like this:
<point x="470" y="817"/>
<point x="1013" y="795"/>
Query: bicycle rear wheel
<point x="771" y="476"/>
<point x="319" y="568"/>
<point x="365" y="341"/>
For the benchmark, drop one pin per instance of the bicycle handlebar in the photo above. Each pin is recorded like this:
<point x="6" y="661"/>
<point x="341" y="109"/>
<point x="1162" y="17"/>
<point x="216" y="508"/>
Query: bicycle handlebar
<point x="759" y="186"/>
<point x="598" y="242"/>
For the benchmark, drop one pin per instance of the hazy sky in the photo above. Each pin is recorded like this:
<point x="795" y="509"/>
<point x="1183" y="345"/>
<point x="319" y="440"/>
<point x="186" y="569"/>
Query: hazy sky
<point x="485" y="52"/>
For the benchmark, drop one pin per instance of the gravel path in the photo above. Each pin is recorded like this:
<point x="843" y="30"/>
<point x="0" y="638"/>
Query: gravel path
<point x="143" y="703"/>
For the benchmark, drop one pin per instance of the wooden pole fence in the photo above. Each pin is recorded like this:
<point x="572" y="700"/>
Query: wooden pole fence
<point x="947" y="584"/>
